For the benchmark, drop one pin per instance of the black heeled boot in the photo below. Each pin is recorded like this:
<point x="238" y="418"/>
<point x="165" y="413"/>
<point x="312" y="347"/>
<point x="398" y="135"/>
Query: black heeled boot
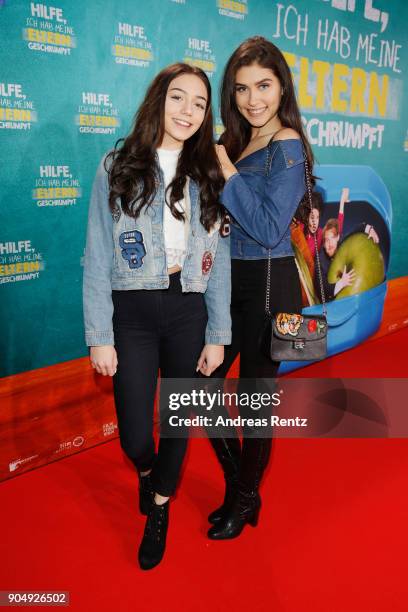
<point x="145" y="493"/>
<point x="244" y="510"/>
<point x="246" y="506"/>
<point x="228" y="451"/>
<point x="153" y="544"/>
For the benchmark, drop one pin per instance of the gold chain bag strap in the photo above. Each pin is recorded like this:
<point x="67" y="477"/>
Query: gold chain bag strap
<point x="293" y="336"/>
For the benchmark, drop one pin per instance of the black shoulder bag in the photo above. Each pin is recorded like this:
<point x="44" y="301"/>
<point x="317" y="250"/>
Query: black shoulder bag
<point x="293" y="336"/>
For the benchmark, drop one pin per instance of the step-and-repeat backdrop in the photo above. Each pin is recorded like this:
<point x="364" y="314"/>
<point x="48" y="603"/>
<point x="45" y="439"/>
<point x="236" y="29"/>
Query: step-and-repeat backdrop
<point x="72" y="75"/>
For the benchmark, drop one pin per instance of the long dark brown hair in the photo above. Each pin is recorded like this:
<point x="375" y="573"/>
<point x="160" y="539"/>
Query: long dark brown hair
<point x="237" y="129"/>
<point x="132" y="166"/>
<point x="303" y="210"/>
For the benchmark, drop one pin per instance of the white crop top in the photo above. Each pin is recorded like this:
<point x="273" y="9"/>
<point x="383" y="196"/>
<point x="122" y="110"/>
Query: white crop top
<point x="175" y="231"/>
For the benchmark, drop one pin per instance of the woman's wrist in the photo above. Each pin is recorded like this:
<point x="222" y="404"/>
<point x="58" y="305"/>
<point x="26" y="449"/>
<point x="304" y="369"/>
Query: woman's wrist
<point x="229" y="172"/>
<point x="229" y="176"/>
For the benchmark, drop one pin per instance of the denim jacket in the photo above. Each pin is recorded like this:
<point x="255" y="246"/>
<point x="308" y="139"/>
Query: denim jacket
<point x="124" y="253"/>
<point x="262" y="203"/>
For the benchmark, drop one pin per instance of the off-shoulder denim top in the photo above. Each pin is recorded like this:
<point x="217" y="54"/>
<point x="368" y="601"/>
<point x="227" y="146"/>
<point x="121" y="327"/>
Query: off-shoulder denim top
<point x="263" y="201"/>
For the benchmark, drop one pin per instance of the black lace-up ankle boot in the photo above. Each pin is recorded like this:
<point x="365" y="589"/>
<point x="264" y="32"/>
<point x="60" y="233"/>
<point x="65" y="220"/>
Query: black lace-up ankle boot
<point x="153" y="544"/>
<point x="145" y="493"/>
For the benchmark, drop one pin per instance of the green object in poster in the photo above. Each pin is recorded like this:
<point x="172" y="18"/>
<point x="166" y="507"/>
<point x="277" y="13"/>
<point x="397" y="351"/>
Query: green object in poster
<point x="361" y="254"/>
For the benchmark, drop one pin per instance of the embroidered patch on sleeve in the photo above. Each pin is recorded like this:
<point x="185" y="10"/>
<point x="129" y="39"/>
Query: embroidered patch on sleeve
<point x="116" y="214"/>
<point x="133" y="249"/>
<point x="206" y="262"/>
<point x="225" y="228"/>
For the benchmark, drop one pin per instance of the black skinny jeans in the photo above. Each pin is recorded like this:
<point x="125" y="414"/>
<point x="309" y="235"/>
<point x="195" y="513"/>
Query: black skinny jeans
<point x="154" y="329"/>
<point x="247" y="313"/>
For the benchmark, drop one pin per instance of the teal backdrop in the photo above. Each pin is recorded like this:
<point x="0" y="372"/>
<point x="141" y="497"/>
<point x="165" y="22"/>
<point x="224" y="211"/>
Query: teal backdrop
<point x="71" y="77"/>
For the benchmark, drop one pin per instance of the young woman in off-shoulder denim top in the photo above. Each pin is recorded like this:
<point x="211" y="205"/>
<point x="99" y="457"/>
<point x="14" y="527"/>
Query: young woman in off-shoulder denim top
<point x="262" y="158"/>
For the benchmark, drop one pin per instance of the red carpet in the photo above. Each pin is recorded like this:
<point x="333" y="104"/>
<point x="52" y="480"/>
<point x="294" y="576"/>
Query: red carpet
<point x="332" y="534"/>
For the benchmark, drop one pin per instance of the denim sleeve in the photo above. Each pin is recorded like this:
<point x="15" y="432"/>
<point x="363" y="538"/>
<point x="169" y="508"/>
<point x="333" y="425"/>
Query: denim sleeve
<point x="97" y="290"/>
<point x="218" y="296"/>
<point x="266" y="218"/>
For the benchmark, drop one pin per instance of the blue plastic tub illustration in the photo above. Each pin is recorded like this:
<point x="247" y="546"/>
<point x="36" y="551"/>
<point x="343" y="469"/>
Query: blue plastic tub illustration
<point x="353" y="319"/>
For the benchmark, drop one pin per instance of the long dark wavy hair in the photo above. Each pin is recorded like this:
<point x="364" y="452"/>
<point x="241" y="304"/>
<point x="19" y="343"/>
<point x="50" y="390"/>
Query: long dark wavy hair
<point x="132" y="166"/>
<point x="237" y="129"/>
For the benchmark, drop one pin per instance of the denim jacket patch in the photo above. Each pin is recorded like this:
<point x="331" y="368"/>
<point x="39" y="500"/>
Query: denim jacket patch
<point x="133" y="249"/>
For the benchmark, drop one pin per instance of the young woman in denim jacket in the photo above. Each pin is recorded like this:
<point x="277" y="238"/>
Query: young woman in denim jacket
<point x="157" y="275"/>
<point x="261" y="193"/>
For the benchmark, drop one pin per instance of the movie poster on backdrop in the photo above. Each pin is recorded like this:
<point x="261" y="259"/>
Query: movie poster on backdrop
<point x="72" y="77"/>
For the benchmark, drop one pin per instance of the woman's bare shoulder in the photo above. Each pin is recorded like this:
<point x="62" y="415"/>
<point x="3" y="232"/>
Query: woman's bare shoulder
<point x="287" y="134"/>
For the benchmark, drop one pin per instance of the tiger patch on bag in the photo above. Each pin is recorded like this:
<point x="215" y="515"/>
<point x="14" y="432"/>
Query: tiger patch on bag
<point x="287" y="323"/>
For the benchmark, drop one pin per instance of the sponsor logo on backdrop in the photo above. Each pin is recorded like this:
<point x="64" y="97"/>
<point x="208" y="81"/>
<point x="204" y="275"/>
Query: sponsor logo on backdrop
<point x="198" y="53"/>
<point x="19" y="261"/>
<point x="233" y="8"/>
<point x="179" y="1"/>
<point x="406" y="142"/>
<point x="56" y="186"/>
<point x="131" y="46"/>
<point x="109" y="429"/>
<point x="76" y="442"/>
<point x="48" y="31"/>
<point x="96" y="114"/>
<point x="14" y="465"/>
<point x="16" y="111"/>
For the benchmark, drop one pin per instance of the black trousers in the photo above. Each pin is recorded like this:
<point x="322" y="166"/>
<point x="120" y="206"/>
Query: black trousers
<point x="154" y="329"/>
<point x="247" y="313"/>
